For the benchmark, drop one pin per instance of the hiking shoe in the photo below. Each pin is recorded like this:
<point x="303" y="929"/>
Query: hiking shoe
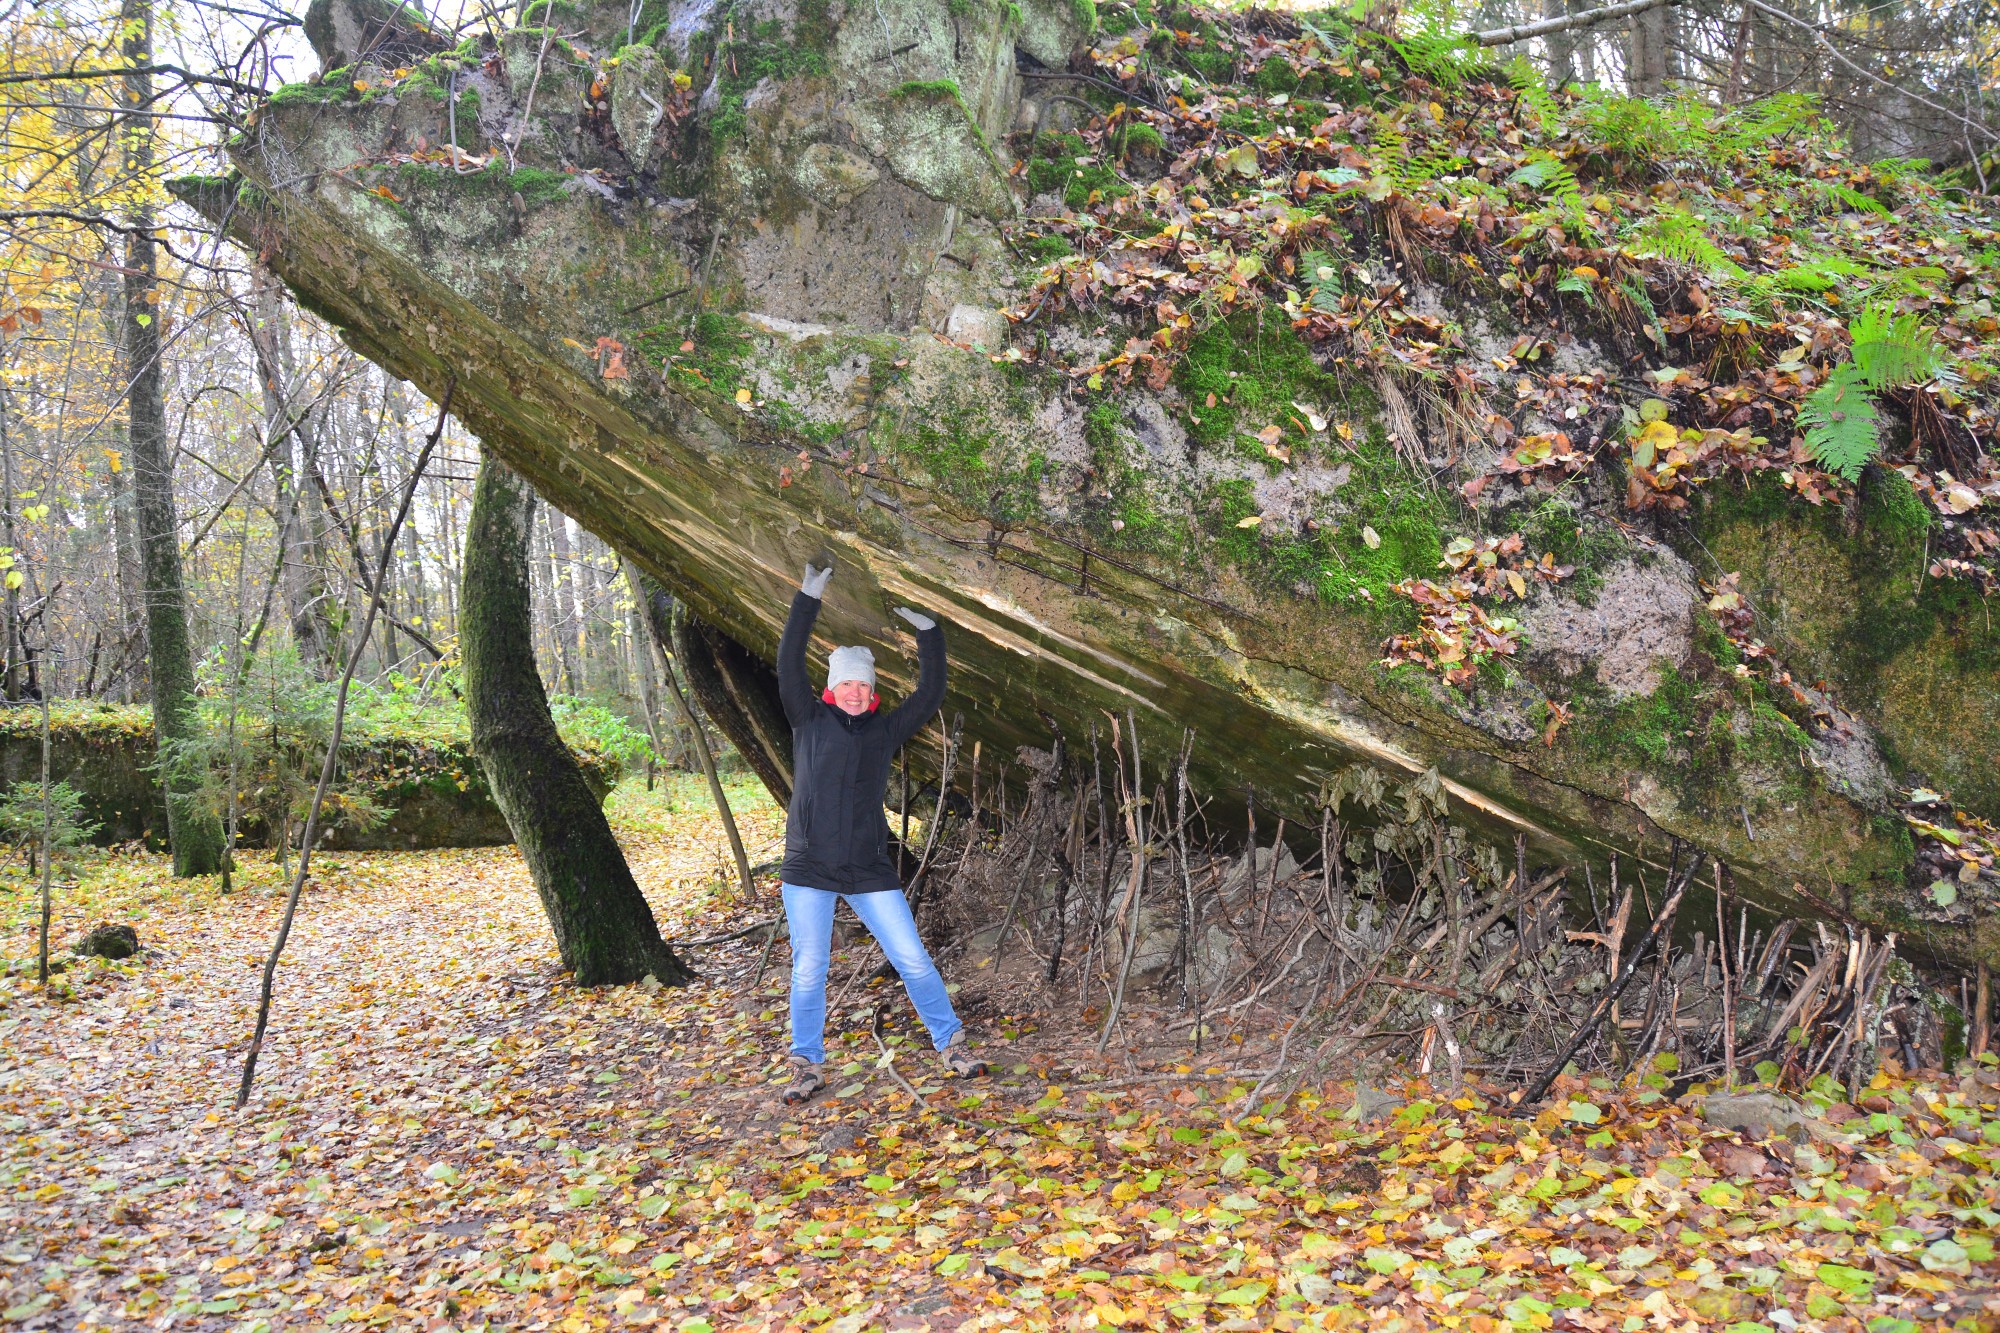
<point x="960" y="1062"/>
<point x="807" y="1079"/>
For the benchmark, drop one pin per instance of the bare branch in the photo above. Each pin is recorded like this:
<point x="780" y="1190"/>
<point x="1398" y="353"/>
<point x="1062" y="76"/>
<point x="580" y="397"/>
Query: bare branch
<point x="1589" y="18"/>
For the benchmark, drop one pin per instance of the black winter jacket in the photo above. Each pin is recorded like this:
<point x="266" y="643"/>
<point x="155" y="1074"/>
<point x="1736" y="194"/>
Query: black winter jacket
<point x="835" y="835"/>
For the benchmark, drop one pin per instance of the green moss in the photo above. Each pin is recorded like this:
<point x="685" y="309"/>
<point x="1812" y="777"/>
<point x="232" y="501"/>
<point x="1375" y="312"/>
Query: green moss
<point x="1276" y="75"/>
<point x="1086" y="15"/>
<point x="1138" y="137"/>
<point x="1586" y="543"/>
<point x="1055" y="171"/>
<point x="535" y="185"/>
<point x="538" y="12"/>
<point x="1256" y="368"/>
<point x="1131" y="519"/>
<point x="719" y="345"/>
<point x="1245" y="120"/>
<point x="930" y="88"/>
<point x="1045" y="248"/>
<point x="329" y="89"/>
<point x="1695" y="736"/>
<point x="969" y="461"/>
<point x="768" y="49"/>
<point x="1892" y="505"/>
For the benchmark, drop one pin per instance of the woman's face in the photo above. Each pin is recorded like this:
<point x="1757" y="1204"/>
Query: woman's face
<point x="851" y="697"/>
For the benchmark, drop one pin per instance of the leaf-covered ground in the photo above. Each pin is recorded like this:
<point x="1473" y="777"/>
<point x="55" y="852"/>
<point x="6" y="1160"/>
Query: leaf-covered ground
<point x="446" y="1134"/>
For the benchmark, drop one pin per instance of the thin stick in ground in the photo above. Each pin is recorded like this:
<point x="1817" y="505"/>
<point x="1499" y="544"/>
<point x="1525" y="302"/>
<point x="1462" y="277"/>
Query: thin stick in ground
<point x="1134" y="896"/>
<point x="48" y="861"/>
<point x="333" y="750"/>
<point x="1677" y="886"/>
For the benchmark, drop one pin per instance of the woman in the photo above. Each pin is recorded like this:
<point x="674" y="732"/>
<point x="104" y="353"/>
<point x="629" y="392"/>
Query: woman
<point x="836" y="839"/>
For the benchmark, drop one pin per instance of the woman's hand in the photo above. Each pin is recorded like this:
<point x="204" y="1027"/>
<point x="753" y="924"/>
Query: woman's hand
<point x="815" y="581"/>
<point x="922" y="622"/>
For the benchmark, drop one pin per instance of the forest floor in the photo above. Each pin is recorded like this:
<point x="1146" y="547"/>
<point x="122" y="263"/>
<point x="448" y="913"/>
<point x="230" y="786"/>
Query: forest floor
<point x="445" y="1134"/>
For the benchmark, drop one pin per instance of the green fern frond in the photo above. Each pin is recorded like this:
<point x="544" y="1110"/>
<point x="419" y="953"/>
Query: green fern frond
<point x="1532" y="90"/>
<point x="1902" y="172"/>
<point x="1576" y="286"/>
<point x="1681" y="238"/>
<point x="1833" y="192"/>
<point x="1447" y="60"/>
<point x="1819" y="275"/>
<point x="1769" y="118"/>
<point x="1634" y="288"/>
<point x="1434" y="43"/>
<point x="1916" y="280"/>
<point x="1840" y="421"/>
<point x="1891" y="350"/>
<point x="1320" y="272"/>
<point x="1551" y="175"/>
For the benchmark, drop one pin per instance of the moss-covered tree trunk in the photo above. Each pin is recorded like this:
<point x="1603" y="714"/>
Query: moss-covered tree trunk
<point x="196" y="833"/>
<point x="603" y="925"/>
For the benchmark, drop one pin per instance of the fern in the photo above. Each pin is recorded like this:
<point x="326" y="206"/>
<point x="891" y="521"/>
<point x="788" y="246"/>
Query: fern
<point x="1896" y="283"/>
<point x="1770" y="118"/>
<point x="1818" y="275"/>
<point x="1434" y="44"/>
<point x="1681" y="238"/>
<point x="1840" y="421"/>
<point x="1532" y="90"/>
<point x="1576" y="286"/>
<point x="1446" y="60"/>
<point x="1634" y="288"/>
<point x="1849" y="198"/>
<point x="1321" y="273"/>
<point x="1548" y="173"/>
<point x="1892" y="350"/>
<point x="1392" y="149"/>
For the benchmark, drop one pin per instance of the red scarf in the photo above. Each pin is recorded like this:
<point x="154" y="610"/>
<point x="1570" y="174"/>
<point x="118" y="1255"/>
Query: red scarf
<point x="874" y="699"/>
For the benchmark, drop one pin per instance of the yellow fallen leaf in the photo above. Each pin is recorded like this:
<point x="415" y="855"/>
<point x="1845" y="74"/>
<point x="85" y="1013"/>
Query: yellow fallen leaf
<point x="1371" y="538"/>
<point x="1514" y="582"/>
<point x="742" y="395"/>
<point x="1250" y="522"/>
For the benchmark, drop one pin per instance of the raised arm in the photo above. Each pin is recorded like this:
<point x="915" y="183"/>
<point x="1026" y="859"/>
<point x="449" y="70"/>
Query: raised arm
<point x="910" y="716"/>
<point x="795" y="689"/>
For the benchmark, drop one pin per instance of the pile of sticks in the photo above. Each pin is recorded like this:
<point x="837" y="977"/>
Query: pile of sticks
<point x="1398" y="939"/>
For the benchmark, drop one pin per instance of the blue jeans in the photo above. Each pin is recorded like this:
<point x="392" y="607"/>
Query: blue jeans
<point x="809" y="916"/>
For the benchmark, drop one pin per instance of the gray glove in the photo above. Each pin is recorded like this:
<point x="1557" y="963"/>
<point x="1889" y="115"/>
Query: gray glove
<point x="815" y="581"/>
<point x="922" y="622"/>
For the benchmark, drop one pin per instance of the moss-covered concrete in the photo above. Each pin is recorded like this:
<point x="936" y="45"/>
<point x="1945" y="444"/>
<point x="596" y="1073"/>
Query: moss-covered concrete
<point x="1849" y="596"/>
<point x="428" y="787"/>
<point x="797" y="384"/>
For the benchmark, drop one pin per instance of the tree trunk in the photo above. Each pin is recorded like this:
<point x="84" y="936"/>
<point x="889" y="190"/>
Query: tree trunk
<point x="132" y="652"/>
<point x="739" y="692"/>
<point x="196" y="834"/>
<point x="293" y="456"/>
<point x="603" y="926"/>
<point x="562" y="582"/>
<point x="1648" y="64"/>
<point x="641" y="661"/>
<point x="1562" y="66"/>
